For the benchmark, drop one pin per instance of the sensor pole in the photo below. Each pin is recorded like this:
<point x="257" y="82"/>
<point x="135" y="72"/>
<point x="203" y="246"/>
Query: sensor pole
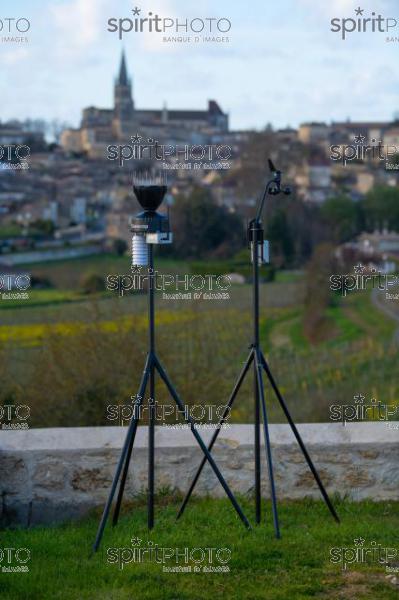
<point x="256" y="244"/>
<point x="154" y="228"/>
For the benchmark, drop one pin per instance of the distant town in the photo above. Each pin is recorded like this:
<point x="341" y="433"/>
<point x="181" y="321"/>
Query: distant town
<point x="72" y="196"/>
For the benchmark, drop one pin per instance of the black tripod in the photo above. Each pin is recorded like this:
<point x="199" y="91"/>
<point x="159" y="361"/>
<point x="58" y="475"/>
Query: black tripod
<point x="256" y="240"/>
<point x="153" y="364"/>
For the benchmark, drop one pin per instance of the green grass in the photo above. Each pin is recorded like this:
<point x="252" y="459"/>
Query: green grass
<point x="7" y="231"/>
<point x="348" y="331"/>
<point x="67" y="274"/>
<point x="377" y="322"/>
<point x="44" y="298"/>
<point x="288" y="276"/>
<point x="353" y="318"/>
<point x="298" y="339"/>
<point x="296" y="567"/>
<point x="277" y="321"/>
<point x="199" y="338"/>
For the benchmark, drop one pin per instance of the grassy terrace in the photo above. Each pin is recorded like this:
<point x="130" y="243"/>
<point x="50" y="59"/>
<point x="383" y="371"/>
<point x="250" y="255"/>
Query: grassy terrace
<point x="87" y="351"/>
<point x="297" y="567"/>
<point x="100" y="339"/>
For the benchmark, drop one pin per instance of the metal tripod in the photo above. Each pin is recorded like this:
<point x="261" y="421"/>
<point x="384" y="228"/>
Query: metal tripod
<point x="153" y="364"/>
<point x="256" y="357"/>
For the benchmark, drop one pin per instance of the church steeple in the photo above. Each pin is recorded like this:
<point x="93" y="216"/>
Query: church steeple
<point x="123" y="102"/>
<point x="123" y="79"/>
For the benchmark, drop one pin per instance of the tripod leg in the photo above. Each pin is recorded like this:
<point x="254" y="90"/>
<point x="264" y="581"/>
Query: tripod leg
<point x="226" y="412"/>
<point x="151" y="442"/>
<point x="258" y="501"/>
<point x="128" y="444"/>
<point x="203" y="447"/>
<point x="299" y="439"/>
<point x="267" y="444"/>
<point x="122" y="484"/>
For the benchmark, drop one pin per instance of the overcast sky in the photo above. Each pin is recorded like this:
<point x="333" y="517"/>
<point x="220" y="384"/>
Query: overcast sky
<point x="282" y="64"/>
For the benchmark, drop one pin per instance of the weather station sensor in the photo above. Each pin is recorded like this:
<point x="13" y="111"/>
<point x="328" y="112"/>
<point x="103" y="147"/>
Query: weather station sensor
<point x="148" y="229"/>
<point x="259" y="256"/>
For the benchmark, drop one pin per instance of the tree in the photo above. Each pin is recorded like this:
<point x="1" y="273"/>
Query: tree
<point x="204" y="229"/>
<point x="318" y="295"/>
<point x="253" y="163"/>
<point x="92" y="283"/>
<point x="381" y="208"/>
<point x="43" y="226"/>
<point x="280" y="236"/>
<point x="119" y="247"/>
<point x="253" y="170"/>
<point x="341" y="214"/>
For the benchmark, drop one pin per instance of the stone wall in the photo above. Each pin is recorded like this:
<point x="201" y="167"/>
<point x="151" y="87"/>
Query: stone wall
<point x="50" y="475"/>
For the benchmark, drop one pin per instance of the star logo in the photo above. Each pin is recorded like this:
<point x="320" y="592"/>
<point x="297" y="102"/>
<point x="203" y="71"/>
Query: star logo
<point x="359" y="11"/>
<point x="358" y="269"/>
<point x="359" y="398"/>
<point x="359" y="541"/>
<point x="136" y="138"/>
<point x="136" y="269"/>
<point x="359" y="139"/>
<point x="135" y="541"/>
<point x="136" y="11"/>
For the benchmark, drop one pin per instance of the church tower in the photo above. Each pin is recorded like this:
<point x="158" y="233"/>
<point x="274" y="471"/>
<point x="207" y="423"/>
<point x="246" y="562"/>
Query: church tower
<point x="123" y="102"/>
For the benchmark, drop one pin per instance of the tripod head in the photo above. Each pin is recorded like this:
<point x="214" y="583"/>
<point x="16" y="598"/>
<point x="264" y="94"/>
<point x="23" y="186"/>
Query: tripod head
<point x="273" y="188"/>
<point x="276" y="181"/>
<point x="255" y="229"/>
<point x="149" y="226"/>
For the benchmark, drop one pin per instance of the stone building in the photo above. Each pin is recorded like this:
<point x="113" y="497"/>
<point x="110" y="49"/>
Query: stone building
<point x="103" y="126"/>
